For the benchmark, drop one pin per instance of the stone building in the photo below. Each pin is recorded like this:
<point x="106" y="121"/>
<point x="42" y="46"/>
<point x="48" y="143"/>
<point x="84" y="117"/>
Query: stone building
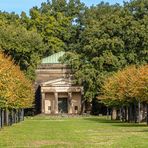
<point x="55" y="89"/>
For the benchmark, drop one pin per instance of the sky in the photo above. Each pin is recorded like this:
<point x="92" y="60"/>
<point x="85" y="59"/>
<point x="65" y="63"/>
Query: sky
<point x="18" y="6"/>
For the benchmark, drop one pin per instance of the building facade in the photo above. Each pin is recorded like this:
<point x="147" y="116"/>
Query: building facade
<point x="58" y="93"/>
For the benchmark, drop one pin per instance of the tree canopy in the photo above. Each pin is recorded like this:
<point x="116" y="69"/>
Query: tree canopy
<point x="126" y="86"/>
<point x="15" y="90"/>
<point x="112" y="37"/>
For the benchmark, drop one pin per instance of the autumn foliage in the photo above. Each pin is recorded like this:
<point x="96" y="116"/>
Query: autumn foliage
<point x="15" y="90"/>
<point x="126" y="86"/>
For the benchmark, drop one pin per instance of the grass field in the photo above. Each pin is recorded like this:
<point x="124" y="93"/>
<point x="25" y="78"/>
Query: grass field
<point x="76" y="132"/>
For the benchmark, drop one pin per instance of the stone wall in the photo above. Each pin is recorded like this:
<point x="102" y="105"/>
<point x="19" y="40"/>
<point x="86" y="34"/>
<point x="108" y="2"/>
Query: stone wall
<point x="46" y="72"/>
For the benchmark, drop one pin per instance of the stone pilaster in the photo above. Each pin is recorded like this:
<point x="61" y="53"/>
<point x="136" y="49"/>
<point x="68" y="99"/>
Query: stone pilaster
<point x="43" y="101"/>
<point x="56" y="102"/>
<point x="70" y="104"/>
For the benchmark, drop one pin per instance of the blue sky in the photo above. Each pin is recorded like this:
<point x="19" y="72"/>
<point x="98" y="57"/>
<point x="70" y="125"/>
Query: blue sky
<point x="24" y="5"/>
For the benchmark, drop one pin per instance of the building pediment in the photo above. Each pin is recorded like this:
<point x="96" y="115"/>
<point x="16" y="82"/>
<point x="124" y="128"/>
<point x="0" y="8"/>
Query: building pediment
<point x="58" y="82"/>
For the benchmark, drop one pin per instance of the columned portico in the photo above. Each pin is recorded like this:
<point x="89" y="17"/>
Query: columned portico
<point x="59" y="96"/>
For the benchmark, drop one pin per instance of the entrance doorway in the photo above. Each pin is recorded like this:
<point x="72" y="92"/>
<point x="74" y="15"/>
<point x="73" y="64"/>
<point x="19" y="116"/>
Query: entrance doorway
<point x="47" y="107"/>
<point x="62" y="105"/>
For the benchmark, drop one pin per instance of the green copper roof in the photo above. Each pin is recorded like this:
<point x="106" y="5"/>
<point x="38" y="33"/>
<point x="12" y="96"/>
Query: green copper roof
<point x="53" y="59"/>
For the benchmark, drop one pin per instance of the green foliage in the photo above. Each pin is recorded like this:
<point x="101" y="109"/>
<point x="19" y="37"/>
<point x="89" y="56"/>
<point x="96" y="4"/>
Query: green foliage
<point x="26" y="47"/>
<point x="54" y="21"/>
<point x="49" y="29"/>
<point x="112" y="37"/>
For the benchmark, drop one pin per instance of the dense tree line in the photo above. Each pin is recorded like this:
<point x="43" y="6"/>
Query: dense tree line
<point x="112" y="37"/>
<point x="125" y="89"/>
<point x="100" y="40"/>
<point x="16" y="92"/>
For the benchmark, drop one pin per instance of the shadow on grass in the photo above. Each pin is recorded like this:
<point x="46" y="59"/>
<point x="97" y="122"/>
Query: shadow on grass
<point x="102" y="120"/>
<point x="130" y="125"/>
<point x="116" y="122"/>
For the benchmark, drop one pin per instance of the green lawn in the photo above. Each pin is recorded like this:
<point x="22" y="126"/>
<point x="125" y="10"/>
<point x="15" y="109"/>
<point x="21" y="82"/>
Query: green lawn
<point x="77" y="132"/>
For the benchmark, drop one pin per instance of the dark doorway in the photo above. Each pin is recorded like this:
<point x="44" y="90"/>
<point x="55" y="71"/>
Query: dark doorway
<point x="62" y="105"/>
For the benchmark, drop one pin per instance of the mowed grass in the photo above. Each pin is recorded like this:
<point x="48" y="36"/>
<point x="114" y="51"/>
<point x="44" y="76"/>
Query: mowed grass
<point x="76" y="132"/>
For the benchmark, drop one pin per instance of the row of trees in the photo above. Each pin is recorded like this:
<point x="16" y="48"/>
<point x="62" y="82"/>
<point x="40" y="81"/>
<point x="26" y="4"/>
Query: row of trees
<point x="16" y="92"/>
<point x="125" y="88"/>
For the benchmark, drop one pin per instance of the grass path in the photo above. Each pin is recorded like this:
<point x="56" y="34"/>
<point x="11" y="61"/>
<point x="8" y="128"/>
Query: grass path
<point x="88" y="132"/>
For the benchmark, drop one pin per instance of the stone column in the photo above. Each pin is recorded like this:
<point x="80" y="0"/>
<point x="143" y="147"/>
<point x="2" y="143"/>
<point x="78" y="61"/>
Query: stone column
<point x="56" y="103"/>
<point x="43" y="100"/>
<point x="70" y="105"/>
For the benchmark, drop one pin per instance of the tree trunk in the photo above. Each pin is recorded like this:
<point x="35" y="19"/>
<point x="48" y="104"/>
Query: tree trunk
<point x="139" y="112"/>
<point x="10" y="117"/>
<point x="6" y="116"/>
<point x="19" y="115"/>
<point x="147" y="114"/>
<point x="16" y="115"/>
<point x="0" y="118"/>
<point x="126" y="114"/>
<point x="13" y="116"/>
<point x="135" y="112"/>
<point x="82" y="108"/>
<point x="120" y="113"/>
<point x="132" y="113"/>
<point x="107" y="113"/>
<point x="22" y="114"/>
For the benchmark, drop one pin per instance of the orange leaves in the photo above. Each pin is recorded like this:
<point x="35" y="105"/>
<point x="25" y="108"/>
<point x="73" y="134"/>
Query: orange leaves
<point x="127" y="84"/>
<point x="15" y="90"/>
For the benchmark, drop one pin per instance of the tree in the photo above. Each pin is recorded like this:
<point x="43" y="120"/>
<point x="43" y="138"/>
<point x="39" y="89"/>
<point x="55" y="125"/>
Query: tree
<point x="54" y="21"/>
<point x="125" y="87"/>
<point x="16" y="90"/>
<point x="26" y="47"/>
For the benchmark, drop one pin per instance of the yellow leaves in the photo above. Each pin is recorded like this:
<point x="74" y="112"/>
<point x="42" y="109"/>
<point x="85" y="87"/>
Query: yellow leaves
<point x="127" y="84"/>
<point x="15" y="89"/>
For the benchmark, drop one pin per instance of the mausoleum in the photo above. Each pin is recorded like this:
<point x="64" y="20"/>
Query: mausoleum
<point x="58" y="92"/>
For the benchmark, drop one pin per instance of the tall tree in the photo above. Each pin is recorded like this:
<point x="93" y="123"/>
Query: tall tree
<point x="16" y="90"/>
<point x="54" y="21"/>
<point x="111" y="39"/>
<point x="26" y="47"/>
